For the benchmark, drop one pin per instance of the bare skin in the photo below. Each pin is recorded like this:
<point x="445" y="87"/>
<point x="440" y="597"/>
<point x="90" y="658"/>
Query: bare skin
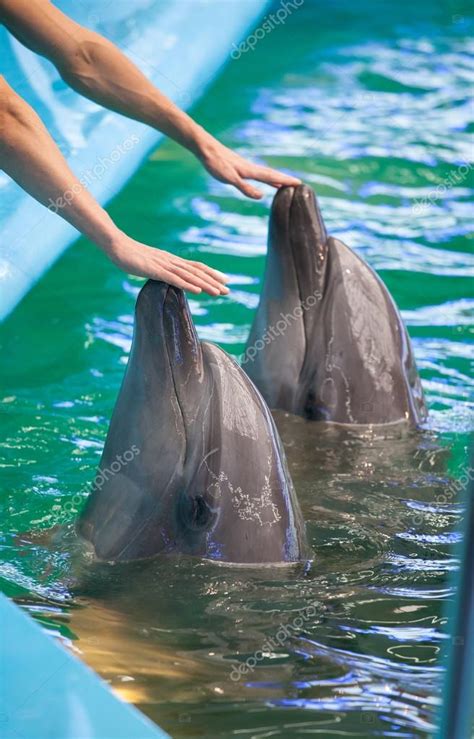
<point x="30" y="156"/>
<point x="95" y="68"/>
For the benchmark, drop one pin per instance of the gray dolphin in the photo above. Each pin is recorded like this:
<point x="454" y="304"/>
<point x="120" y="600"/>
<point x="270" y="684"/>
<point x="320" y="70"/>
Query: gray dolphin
<point x="328" y="342"/>
<point x="192" y="461"/>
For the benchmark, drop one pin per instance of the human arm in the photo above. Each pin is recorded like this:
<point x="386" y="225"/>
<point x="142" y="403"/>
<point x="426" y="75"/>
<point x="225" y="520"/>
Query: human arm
<point x="29" y="155"/>
<point x="97" y="69"/>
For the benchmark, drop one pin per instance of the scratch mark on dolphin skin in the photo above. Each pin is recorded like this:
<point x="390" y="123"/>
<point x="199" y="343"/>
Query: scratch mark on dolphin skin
<point x="331" y="365"/>
<point x="367" y="314"/>
<point x="237" y="418"/>
<point x="177" y="354"/>
<point x="291" y="540"/>
<point x="177" y="416"/>
<point x="204" y="459"/>
<point x="258" y="508"/>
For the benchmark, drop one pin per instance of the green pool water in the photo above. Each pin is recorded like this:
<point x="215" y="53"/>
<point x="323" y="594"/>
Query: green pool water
<point x="367" y="103"/>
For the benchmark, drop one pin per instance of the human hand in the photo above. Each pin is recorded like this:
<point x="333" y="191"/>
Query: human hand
<point x="227" y="166"/>
<point x="146" y="261"/>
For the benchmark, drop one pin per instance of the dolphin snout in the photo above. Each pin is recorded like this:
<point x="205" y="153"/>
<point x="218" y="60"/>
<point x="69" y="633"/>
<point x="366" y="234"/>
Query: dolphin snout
<point x="152" y="294"/>
<point x="304" y="203"/>
<point x="286" y="195"/>
<point x="306" y="220"/>
<point x="182" y="343"/>
<point x="299" y="209"/>
<point x="304" y="192"/>
<point x="164" y="331"/>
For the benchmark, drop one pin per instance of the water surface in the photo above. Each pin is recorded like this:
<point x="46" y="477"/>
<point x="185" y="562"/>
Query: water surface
<point x="366" y="103"/>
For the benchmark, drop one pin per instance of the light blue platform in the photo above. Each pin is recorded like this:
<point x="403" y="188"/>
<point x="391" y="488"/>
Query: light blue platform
<point x="46" y="693"/>
<point x="179" y="44"/>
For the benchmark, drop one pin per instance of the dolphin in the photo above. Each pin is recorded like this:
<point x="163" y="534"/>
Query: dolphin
<point x="192" y="461"/>
<point x="328" y="342"/>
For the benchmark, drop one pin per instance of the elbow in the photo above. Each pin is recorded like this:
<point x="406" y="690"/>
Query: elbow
<point x="7" y="98"/>
<point x="79" y="67"/>
<point x="12" y="113"/>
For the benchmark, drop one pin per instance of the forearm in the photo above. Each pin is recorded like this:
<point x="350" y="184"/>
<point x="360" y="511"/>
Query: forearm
<point x="29" y="155"/>
<point x="102" y="73"/>
<point x="97" y="69"/>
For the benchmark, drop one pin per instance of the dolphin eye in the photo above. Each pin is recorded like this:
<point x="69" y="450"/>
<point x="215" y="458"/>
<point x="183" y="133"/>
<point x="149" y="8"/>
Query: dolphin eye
<point x="195" y="512"/>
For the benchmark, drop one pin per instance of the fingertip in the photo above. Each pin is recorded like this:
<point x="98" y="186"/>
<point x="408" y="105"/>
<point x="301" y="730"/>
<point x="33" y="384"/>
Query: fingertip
<point x="249" y="191"/>
<point x="221" y="275"/>
<point x="211" y="290"/>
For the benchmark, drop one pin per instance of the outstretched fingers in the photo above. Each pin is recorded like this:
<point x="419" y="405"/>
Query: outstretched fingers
<point x="198" y="280"/>
<point x="261" y="174"/>
<point x="247" y="189"/>
<point x="173" y="279"/>
<point x="158" y="264"/>
<point x="202" y="275"/>
<point x="215" y="273"/>
<point x="271" y="176"/>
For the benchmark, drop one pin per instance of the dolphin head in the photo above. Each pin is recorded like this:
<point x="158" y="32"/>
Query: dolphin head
<point x="192" y="461"/>
<point x="327" y="342"/>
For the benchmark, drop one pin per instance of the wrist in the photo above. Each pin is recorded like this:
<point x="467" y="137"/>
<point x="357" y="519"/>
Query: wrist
<point x="108" y="237"/>
<point x="203" y="145"/>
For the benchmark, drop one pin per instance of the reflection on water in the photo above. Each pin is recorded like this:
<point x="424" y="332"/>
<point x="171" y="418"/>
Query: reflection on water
<point x="368" y="107"/>
<point x="356" y="636"/>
